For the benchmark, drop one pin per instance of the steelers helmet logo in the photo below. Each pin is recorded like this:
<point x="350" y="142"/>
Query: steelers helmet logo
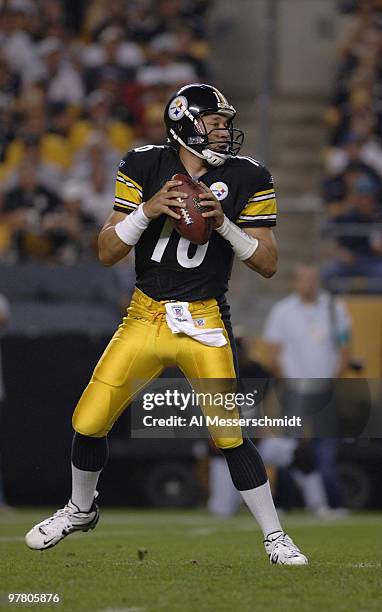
<point x="220" y="190"/>
<point x="177" y="108"/>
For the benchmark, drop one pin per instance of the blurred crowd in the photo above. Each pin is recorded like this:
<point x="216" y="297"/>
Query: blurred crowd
<point x="352" y="189"/>
<point x="80" y="84"/>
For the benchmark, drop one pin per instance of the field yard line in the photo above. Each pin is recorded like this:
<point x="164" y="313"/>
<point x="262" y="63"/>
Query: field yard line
<point x="120" y="519"/>
<point x="125" y="534"/>
<point x="218" y="527"/>
<point x="117" y="534"/>
<point x="148" y="520"/>
<point x="103" y="534"/>
<point x="245" y="523"/>
<point x="203" y="531"/>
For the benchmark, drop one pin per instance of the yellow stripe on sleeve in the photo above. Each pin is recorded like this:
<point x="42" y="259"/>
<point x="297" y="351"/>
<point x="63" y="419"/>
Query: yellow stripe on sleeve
<point x="129" y="180"/>
<point x="255" y="209"/>
<point x="260" y="193"/>
<point x="127" y="191"/>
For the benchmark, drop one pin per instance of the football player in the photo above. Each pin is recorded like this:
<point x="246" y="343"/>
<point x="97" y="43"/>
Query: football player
<point x="238" y="194"/>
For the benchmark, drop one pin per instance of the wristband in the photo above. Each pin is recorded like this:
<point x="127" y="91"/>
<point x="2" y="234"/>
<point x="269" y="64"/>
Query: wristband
<point x="131" y="229"/>
<point x="243" y="245"/>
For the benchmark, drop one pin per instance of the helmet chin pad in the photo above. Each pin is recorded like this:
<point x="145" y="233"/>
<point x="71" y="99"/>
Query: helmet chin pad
<point x="214" y="158"/>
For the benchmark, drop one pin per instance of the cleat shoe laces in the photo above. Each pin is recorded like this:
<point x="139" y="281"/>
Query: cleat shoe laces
<point x="281" y="550"/>
<point x="61" y="524"/>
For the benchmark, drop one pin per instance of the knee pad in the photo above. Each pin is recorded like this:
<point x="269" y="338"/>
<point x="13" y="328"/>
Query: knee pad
<point x="224" y="443"/>
<point x="93" y="414"/>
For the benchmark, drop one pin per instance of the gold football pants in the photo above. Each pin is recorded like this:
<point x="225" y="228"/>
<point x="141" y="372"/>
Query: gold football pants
<point x="141" y="348"/>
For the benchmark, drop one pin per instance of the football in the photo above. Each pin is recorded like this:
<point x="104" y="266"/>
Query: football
<point x="192" y="225"/>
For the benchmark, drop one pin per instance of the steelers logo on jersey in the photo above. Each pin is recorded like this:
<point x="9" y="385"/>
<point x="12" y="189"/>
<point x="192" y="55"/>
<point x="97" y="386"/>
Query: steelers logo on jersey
<point x="220" y="190"/>
<point x="177" y="108"/>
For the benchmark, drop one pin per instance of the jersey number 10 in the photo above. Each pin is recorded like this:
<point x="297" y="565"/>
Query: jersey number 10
<point x="182" y="251"/>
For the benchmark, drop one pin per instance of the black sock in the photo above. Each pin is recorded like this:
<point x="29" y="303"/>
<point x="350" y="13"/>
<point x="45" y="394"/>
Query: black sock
<point x="246" y="466"/>
<point x="89" y="453"/>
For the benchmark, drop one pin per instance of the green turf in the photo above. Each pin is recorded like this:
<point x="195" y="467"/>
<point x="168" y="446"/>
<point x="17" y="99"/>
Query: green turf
<point x="195" y="563"/>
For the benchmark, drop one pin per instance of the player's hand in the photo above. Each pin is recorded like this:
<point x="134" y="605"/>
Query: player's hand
<point x="164" y="198"/>
<point x="208" y="199"/>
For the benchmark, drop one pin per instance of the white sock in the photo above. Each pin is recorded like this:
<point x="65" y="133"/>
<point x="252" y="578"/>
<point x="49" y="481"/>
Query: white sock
<point x="260" y="503"/>
<point x="83" y="488"/>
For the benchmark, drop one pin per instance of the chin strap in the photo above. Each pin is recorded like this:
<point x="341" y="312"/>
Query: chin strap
<point x="212" y="157"/>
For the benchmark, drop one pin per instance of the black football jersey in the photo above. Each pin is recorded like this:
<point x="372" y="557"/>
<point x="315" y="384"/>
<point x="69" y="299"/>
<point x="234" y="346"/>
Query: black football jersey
<point x="169" y="267"/>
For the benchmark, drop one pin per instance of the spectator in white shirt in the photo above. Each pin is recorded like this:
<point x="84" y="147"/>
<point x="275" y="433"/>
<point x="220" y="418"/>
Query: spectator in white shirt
<point x="308" y="334"/>
<point x="16" y="41"/>
<point x="63" y="81"/>
<point x="112" y="49"/>
<point x="165" y="67"/>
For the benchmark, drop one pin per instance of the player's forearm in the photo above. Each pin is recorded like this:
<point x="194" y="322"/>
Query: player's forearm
<point x="116" y="240"/>
<point x="111" y="249"/>
<point x="263" y="260"/>
<point x="258" y="252"/>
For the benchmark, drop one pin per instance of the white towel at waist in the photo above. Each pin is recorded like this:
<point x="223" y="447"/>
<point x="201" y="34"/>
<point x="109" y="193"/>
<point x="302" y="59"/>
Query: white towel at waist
<point x="179" y="320"/>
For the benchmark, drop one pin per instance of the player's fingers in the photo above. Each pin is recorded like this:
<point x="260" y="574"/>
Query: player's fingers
<point x="176" y="194"/>
<point x="170" y="213"/>
<point x="212" y="213"/>
<point x="206" y="194"/>
<point x="209" y="202"/>
<point x="174" y="203"/>
<point x="169" y="184"/>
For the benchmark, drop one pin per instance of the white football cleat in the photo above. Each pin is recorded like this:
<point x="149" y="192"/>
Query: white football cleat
<point x="281" y="550"/>
<point x="63" y="522"/>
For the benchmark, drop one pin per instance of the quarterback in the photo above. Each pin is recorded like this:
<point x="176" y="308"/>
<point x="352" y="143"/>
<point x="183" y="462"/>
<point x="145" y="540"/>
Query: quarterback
<point x="172" y="273"/>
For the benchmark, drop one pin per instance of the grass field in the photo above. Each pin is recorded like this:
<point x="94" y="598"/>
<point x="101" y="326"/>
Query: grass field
<point x="195" y="563"/>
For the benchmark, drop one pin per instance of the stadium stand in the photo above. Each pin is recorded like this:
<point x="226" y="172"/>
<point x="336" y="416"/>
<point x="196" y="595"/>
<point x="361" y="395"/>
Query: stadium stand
<point x="80" y="85"/>
<point x="352" y="189"/>
<point x="60" y="299"/>
<point x="80" y="90"/>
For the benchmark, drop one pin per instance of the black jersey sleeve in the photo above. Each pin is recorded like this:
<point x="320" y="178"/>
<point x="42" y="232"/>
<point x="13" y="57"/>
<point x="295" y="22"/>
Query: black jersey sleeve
<point x="129" y="183"/>
<point x="260" y="209"/>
